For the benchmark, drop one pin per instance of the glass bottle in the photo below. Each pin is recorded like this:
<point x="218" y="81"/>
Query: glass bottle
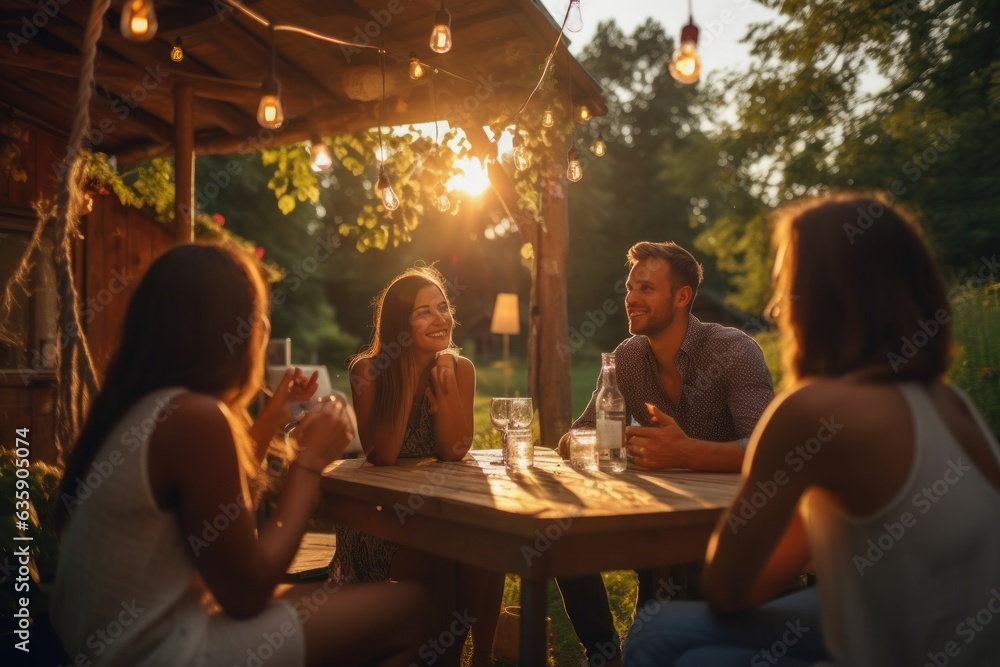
<point x="611" y="455"/>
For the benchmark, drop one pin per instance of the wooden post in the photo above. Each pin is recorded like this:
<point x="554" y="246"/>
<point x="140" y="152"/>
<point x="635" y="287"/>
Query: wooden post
<point x="550" y="322"/>
<point x="184" y="163"/>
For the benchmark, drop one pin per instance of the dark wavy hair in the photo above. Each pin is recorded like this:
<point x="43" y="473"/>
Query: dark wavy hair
<point x="857" y="288"/>
<point x="198" y="320"/>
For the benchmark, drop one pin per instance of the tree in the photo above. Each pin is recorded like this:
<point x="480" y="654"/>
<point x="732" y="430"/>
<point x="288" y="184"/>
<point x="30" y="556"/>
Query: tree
<point x="899" y="97"/>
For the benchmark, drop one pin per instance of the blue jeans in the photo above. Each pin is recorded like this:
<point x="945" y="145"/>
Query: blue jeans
<point x="785" y="632"/>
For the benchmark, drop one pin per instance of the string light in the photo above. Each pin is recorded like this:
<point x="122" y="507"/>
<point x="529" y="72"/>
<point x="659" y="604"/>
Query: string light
<point x="574" y="22"/>
<point x="320" y="158"/>
<point x="685" y="66"/>
<point x="177" y="53"/>
<point x="574" y="172"/>
<point x="417" y="69"/>
<point x="270" y="115"/>
<point x="598" y="148"/>
<point x="520" y="154"/>
<point x="441" y="33"/>
<point x="384" y="188"/>
<point x="441" y="200"/>
<point x="138" y="20"/>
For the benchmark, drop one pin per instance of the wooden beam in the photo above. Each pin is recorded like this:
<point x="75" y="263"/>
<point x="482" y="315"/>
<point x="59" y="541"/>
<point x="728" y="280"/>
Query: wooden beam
<point x="184" y="163"/>
<point x="549" y="321"/>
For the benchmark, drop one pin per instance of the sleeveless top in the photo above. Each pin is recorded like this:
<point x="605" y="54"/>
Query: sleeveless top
<point x="363" y="558"/>
<point x="921" y="576"/>
<point x="125" y="591"/>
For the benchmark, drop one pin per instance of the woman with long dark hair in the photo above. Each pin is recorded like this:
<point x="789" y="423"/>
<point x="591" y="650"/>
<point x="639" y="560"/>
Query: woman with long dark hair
<point x="161" y="560"/>
<point x="413" y="395"/>
<point x="872" y="467"/>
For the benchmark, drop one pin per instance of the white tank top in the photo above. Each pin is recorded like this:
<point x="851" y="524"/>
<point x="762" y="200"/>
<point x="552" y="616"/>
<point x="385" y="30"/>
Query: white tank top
<point x="918" y="581"/>
<point x="126" y="592"/>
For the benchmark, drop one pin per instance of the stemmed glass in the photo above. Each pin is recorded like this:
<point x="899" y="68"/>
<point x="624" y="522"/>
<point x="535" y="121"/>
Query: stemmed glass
<point x="510" y="413"/>
<point x="500" y="409"/>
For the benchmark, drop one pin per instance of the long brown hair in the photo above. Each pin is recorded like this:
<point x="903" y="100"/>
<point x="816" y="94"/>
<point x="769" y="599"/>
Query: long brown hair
<point x="391" y="366"/>
<point x="197" y="320"/>
<point x="857" y="288"/>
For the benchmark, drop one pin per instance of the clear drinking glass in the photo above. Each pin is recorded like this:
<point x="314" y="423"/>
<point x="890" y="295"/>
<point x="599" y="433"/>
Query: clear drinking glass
<point x="500" y="416"/>
<point x="520" y="449"/>
<point x="521" y="413"/>
<point x="583" y="449"/>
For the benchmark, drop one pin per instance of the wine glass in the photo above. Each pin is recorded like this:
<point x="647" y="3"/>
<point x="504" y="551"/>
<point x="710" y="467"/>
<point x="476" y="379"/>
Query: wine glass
<point x="500" y="416"/>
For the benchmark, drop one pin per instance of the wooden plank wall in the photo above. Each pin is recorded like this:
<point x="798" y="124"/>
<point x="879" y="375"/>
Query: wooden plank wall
<point x="118" y="245"/>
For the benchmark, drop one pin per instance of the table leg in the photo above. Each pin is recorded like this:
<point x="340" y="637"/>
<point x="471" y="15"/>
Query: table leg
<point x="534" y="643"/>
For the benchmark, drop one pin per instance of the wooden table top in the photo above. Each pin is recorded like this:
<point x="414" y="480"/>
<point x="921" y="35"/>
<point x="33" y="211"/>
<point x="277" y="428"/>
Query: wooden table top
<point x="476" y="509"/>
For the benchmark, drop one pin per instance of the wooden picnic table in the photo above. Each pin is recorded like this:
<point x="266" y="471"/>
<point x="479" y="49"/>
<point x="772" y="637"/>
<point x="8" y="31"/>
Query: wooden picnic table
<point x="548" y="521"/>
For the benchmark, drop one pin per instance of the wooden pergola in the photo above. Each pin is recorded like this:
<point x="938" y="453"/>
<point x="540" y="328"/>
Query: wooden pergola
<point x="145" y="105"/>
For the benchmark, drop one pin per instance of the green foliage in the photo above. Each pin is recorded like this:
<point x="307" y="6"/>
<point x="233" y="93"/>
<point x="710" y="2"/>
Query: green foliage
<point x="43" y="483"/>
<point x="415" y="165"/>
<point x="899" y="97"/>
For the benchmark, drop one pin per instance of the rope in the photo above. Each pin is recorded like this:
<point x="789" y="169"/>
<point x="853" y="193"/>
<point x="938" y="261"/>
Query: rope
<point x="78" y="379"/>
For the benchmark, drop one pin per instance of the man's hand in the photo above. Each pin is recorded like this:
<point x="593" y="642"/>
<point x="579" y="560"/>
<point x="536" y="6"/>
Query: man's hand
<point x="663" y="446"/>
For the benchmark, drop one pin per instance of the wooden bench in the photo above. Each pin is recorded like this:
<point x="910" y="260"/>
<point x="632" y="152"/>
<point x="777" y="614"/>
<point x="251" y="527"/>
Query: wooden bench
<point x="312" y="561"/>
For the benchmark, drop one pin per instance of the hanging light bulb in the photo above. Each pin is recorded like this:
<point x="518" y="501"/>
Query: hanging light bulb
<point x="583" y="113"/>
<point x="598" y="148"/>
<point x="320" y="158"/>
<point x="269" y="112"/>
<point x="441" y="33"/>
<point x="177" y="53"/>
<point x="417" y="69"/>
<point x="138" y="20"/>
<point x="441" y="200"/>
<point x="520" y="154"/>
<point x="574" y="171"/>
<point x="574" y="20"/>
<point x="385" y="191"/>
<point x="685" y="66"/>
<point x="548" y="118"/>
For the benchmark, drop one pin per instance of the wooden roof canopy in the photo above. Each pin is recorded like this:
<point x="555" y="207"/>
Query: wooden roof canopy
<point x="326" y="89"/>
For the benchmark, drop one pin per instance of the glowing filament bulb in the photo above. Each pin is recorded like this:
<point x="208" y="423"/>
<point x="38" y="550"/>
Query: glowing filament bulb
<point x="583" y="113"/>
<point x="574" y="172"/>
<point x="417" y="69"/>
<point x="685" y="66"/>
<point x="598" y="148"/>
<point x="441" y="200"/>
<point x="548" y="118"/>
<point x="384" y="188"/>
<point x="320" y="158"/>
<point x="441" y="33"/>
<point x="522" y="158"/>
<point x="574" y="20"/>
<point x="138" y="20"/>
<point x="269" y="111"/>
<point x="177" y="53"/>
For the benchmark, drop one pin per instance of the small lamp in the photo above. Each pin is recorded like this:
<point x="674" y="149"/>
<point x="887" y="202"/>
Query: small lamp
<point x="506" y="319"/>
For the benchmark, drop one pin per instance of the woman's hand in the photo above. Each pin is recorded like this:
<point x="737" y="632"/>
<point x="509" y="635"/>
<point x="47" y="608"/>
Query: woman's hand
<point x="324" y="433"/>
<point x="444" y="385"/>
<point x="294" y="387"/>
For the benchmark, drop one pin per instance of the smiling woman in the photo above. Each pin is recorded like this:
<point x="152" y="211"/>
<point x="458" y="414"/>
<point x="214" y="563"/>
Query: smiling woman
<point x="413" y="395"/>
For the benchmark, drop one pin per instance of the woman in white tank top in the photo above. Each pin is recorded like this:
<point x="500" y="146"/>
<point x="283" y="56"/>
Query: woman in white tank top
<point x="872" y="472"/>
<point x="161" y="560"/>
